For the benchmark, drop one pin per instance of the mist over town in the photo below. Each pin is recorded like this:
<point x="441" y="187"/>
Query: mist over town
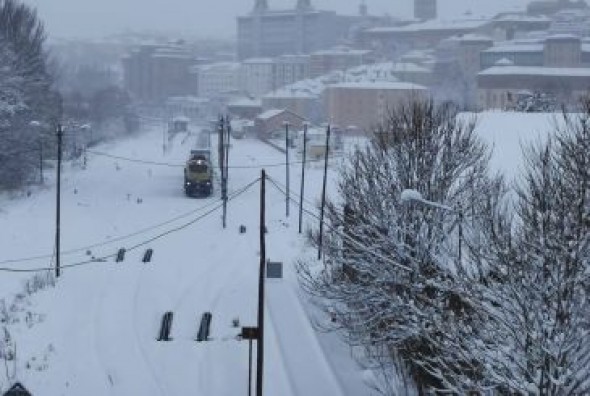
<point x="295" y="197"/>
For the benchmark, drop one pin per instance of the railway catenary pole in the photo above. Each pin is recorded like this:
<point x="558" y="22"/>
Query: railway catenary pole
<point x="321" y="240"/>
<point x="302" y="193"/>
<point x="287" y="167"/>
<point x="260" y="348"/>
<point x="225" y="172"/>
<point x="58" y="202"/>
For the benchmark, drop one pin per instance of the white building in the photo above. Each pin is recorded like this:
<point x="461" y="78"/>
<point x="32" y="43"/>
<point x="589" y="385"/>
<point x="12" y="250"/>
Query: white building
<point x="257" y="76"/>
<point x="219" y="79"/>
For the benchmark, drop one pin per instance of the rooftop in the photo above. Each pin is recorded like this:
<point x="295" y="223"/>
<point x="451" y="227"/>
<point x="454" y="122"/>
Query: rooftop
<point x="536" y="71"/>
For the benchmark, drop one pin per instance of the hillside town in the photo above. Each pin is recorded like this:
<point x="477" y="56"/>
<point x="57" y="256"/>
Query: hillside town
<point x="529" y="61"/>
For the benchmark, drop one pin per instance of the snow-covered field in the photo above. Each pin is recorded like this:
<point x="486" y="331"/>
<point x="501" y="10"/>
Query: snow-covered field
<point x="95" y="332"/>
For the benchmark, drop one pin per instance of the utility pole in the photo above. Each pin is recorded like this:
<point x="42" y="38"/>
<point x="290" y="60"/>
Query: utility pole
<point x="225" y="131"/>
<point x="320" y="244"/>
<point x="287" y="167"/>
<point x="41" y="159"/>
<point x="58" y="200"/>
<point x="260" y="349"/>
<point x="305" y="126"/>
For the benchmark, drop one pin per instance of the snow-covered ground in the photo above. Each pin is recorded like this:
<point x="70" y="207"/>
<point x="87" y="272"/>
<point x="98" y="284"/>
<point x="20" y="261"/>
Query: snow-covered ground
<point x="95" y="333"/>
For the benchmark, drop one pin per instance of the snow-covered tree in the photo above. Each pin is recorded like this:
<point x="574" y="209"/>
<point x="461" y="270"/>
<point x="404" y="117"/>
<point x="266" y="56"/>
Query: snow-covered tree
<point x="27" y="93"/>
<point x="535" y="330"/>
<point x="392" y="279"/>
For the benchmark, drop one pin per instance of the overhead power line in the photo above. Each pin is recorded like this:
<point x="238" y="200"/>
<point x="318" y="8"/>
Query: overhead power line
<point x="177" y="165"/>
<point x="152" y="239"/>
<point x="338" y="232"/>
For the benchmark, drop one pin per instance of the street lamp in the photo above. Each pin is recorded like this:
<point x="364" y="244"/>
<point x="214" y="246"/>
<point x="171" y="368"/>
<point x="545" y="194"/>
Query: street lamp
<point x="409" y="195"/>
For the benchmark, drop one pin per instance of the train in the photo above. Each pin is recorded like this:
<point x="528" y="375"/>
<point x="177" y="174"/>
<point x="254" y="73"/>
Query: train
<point x="198" y="170"/>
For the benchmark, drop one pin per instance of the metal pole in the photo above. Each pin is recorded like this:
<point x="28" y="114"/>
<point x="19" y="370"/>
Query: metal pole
<point x="260" y="349"/>
<point x="287" y="166"/>
<point x="302" y="177"/>
<point x="41" y="159"/>
<point x="58" y="199"/>
<point x="250" y="367"/>
<point x="320" y="244"/>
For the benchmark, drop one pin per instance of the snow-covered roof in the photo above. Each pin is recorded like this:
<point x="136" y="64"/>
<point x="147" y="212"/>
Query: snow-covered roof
<point x="341" y="51"/>
<point x="270" y="114"/>
<point x="256" y="61"/>
<point x="536" y="71"/>
<point x="407" y="67"/>
<point x="245" y="102"/>
<point x="433" y="25"/>
<point x="384" y="85"/>
<point x="504" y="62"/>
<point x="515" y="47"/>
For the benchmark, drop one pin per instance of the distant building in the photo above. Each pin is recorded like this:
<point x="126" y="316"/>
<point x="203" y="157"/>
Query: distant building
<point x="257" y="76"/>
<point x="552" y="51"/>
<point x="302" y="30"/>
<point x="219" y="79"/>
<point x="500" y="86"/>
<point x="338" y="58"/>
<point x="289" y="69"/>
<point x="424" y="9"/>
<point x="549" y="7"/>
<point x="395" y="41"/>
<point x="364" y="105"/>
<point x="191" y="107"/>
<point x="305" y="104"/>
<point x="272" y="122"/>
<point x="244" y="108"/>
<point x="152" y="73"/>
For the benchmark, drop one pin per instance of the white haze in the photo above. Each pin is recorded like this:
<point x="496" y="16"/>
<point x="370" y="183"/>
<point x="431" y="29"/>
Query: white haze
<point x="206" y="18"/>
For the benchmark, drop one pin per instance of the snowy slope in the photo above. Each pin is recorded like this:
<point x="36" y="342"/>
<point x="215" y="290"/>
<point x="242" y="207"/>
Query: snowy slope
<point x="97" y="334"/>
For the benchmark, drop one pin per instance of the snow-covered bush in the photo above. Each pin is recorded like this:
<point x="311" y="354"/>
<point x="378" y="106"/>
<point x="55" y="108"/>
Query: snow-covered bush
<point x="392" y="278"/>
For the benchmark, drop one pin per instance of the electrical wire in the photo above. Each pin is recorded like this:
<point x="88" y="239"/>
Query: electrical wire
<point x="159" y="236"/>
<point x="337" y="232"/>
<point x="113" y="240"/>
<point x="174" y="165"/>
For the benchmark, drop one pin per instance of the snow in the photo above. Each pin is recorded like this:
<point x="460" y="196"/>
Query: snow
<point x="97" y="329"/>
<point x="508" y="132"/>
<point x="270" y="114"/>
<point x="536" y="71"/>
<point x="385" y="85"/>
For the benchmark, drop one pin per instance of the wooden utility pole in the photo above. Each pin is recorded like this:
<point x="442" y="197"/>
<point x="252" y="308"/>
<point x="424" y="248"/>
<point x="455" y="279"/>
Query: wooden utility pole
<point x="260" y="348"/>
<point x="302" y="193"/>
<point x="41" y="159"/>
<point x="287" y="166"/>
<point x="320" y="244"/>
<point x="58" y="201"/>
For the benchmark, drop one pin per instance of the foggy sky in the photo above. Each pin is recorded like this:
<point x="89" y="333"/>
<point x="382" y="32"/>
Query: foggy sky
<point x="206" y="18"/>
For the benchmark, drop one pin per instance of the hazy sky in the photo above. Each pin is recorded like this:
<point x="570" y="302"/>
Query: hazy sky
<point x="95" y="18"/>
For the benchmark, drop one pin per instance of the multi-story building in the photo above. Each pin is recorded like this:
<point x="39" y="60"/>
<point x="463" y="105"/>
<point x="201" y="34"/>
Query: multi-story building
<point x="364" y="105"/>
<point x="425" y="9"/>
<point x="302" y="30"/>
<point x="338" y="58"/>
<point x="562" y="50"/>
<point x="152" y="73"/>
<point x="552" y="51"/>
<point x="289" y="69"/>
<point x="395" y="41"/>
<point x="219" y="79"/>
<point x="499" y="87"/>
<point x="257" y="76"/>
